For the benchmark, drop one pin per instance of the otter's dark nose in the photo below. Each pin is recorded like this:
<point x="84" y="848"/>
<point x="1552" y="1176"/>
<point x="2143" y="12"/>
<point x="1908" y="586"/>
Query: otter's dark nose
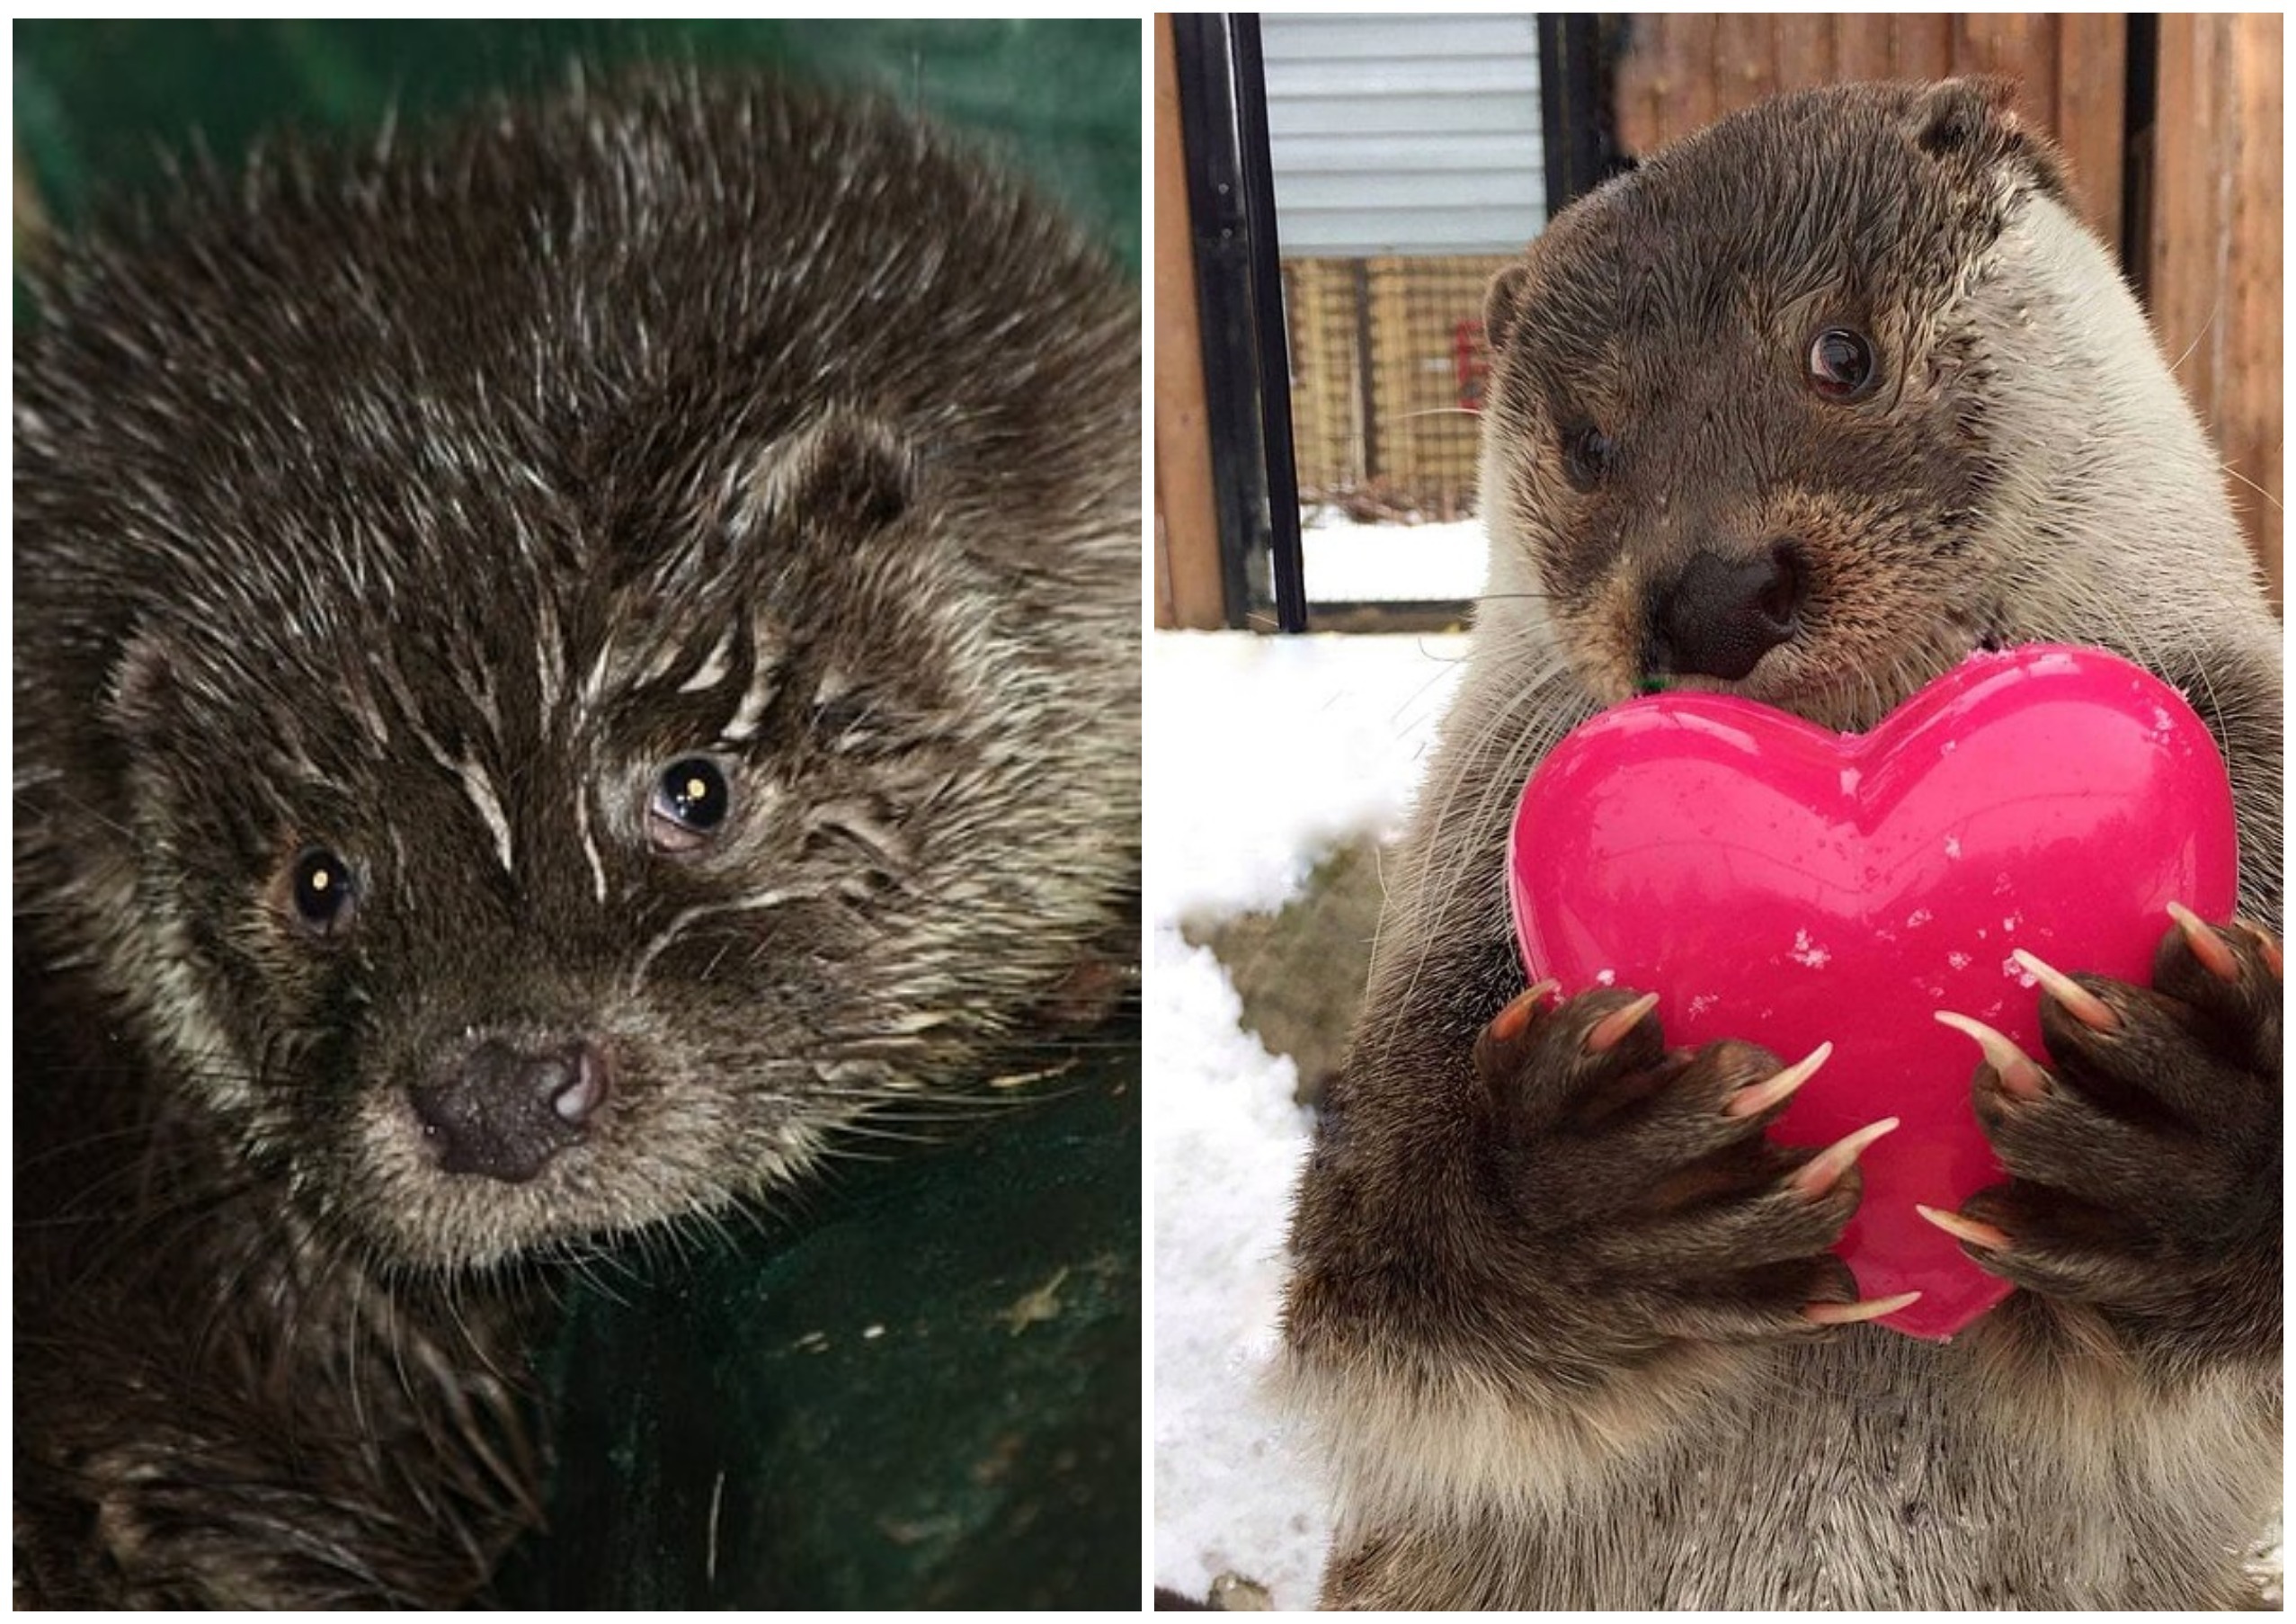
<point x="504" y="1110"/>
<point x="1721" y="614"/>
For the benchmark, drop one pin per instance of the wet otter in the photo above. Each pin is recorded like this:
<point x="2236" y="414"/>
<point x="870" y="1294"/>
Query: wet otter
<point x="558" y="663"/>
<point x="1808" y="407"/>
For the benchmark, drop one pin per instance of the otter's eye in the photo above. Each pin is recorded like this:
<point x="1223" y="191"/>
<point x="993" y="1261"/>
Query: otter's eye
<point x="691" y="801"/>
<point x="1840" y="365"/>
<point x="1586" y="456"/>
<point x="322" y="890"/>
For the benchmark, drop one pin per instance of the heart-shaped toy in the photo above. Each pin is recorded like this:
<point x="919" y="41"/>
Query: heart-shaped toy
<point x="1789" y="886"/>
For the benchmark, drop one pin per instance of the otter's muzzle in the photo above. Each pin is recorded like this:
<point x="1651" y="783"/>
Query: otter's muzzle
<point x="502" y="1111"/>
<point x="1721" y="614"/>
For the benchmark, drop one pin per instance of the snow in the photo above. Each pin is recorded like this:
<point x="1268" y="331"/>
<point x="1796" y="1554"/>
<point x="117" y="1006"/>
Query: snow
<point x="1260" y="752"/>
<point x="1349" y="562"/>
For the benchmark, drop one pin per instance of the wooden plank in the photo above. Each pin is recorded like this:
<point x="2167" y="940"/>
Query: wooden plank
<point x="1639" y="85"/>
<point x="2021" y="45"/>
<point x="2184" y="236"/>
<point x="2248" y="355"/>
<point x="1922" y="46"/>
<point x="2216" y="276"/>
<point x="1319" y="305"/>
<point x="1863" y="46"/>
<point x="1746" y="63"/>
<point x="2092" y="100"/>
<point x="1642" y="82"/>
<point x="2070" y="73"/>
<point x="1681" y="71"/>
<point x="1697" y="103"/>
<point x="1390" y="360"/>
<point x="1188" y="588"/>
<point x="2253" y="448"/>
<point x="1805" y="48"/>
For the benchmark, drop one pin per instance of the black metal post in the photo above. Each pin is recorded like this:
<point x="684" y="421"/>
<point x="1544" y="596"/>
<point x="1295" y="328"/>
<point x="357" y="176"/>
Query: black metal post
<point x="1249" y="81"/>
<point x="1220" y="226"/>
<point x="2139" y="110"/>
<point x="1573" y="79"/>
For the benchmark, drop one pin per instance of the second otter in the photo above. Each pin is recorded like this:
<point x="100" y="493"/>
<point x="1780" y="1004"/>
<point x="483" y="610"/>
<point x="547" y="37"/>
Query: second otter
<point x="1807" y="408"/>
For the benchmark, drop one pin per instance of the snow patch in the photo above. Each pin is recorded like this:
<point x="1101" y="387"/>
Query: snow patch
<point x="1260" y="753"/>
<point x="1351" y="563"/>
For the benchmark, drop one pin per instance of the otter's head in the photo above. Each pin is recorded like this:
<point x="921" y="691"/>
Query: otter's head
<point x="1740" y="435"/>
<point x="595" y="877"/>
<point x="557" y="662"/>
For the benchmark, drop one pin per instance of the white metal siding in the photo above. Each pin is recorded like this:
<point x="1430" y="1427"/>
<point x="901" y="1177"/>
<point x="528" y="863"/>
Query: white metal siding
<point x="1394" y="133"/>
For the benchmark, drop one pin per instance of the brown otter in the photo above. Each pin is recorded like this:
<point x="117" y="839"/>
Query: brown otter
<point x="1814" y="403"/>
<point x="558" y="662"/>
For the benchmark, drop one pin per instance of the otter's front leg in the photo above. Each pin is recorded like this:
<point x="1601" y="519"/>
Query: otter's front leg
<point x="1540" y="1254"/>
<point x="2145" y="1153"/>
<point x="1648" y="1200"/>
<point x="180" y="1499"/>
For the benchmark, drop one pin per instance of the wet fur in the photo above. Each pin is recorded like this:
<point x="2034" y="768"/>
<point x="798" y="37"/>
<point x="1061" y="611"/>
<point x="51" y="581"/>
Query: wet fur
<point x="423" y="503"/>
<point x="1534" y="1393"/>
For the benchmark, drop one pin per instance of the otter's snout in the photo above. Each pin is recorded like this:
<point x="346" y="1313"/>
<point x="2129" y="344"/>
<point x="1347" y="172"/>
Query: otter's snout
<point x="504" y="1110"/>
<point x="1721" y="614"/>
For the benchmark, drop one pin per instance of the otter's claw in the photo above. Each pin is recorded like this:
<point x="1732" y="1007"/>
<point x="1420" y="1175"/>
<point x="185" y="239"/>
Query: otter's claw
<point x="1985" y="1237"/>
<point x="2206" y="945"/>
<point x="2019" y="1076"/>
<point x="1508" y="1025"/>
<point x="2267" y="946"/>
<point x="1605" y="1034"/>
<point x="1755" y="1098"/>
<point x="1850" y="1314"/>
<point x="1823" y="1171"/>
<point x="2082" y="1004"/>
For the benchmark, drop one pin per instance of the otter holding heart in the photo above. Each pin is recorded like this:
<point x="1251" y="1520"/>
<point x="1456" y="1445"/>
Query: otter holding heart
<point x="1805" y="410"/>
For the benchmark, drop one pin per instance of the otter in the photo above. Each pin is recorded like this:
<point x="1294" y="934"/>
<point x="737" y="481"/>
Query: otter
<point x="1808" y="407"/>
<point x="560" y="662"/>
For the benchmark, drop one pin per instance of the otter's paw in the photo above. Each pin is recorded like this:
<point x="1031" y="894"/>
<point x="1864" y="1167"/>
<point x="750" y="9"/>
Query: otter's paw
<point x="1646" y="1182"/>
<point x="2145" y="1159"/>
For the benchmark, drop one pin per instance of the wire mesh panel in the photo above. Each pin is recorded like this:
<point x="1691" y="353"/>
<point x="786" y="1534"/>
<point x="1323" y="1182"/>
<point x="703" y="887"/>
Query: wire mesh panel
<point x="1324" y="310"/>
<point x="1388" y="368"/>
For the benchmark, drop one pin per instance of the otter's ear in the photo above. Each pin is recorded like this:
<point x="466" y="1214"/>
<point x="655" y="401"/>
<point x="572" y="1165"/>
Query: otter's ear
<point x="1974" y="121"/>
<point x="1503" y="304"/>
<point x="843" y="469"/>
<point x="141" y="701"/>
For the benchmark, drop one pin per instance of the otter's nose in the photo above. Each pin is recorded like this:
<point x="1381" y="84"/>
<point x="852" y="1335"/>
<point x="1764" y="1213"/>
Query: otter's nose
<point x="504" y="1110"/>
<point x="1721" y="614"/>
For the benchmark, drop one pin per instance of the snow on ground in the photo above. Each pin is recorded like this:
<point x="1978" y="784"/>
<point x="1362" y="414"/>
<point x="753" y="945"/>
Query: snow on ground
<point x="1349" y="562"/>
<point x="1262" y="752"/>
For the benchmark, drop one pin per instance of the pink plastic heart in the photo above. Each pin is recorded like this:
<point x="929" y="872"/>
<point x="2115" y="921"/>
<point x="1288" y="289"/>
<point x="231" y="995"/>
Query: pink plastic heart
<point x="1783" y="884"/>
